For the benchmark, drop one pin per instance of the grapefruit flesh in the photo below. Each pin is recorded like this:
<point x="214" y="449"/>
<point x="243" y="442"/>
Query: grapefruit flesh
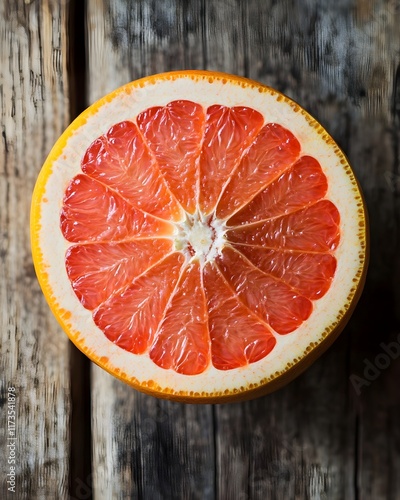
<point x="199" y="237"/>
<point x="215" y="164"/>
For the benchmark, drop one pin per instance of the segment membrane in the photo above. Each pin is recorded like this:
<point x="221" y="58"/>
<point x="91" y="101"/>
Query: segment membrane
<point x="272" y="300"/>
<point x="121" y="160"/>
<point x="312" y="229"/>
<point x="238" y="337"/>
<point x="99" y="270"/>
<point x="182" y="341"/>
<point x="93" y="212"/>
<point x="130" y="318"/>
<point x="298" y="187"/>
<point x="174" y="134"/>
<point x="273" y="151"/>
<point x="310" y="274"/>
<point x="228" y="133"/>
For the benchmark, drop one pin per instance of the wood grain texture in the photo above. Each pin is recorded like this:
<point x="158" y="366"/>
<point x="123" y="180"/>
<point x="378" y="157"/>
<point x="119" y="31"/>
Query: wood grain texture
<point x="163" y="449"/>
<point x="339" y="60"/>
<point x="34" y="111"/>
<point x="321" y="437"/>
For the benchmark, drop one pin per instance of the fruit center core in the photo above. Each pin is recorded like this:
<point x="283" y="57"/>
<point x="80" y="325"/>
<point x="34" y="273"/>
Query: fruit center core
<point x="200" y="237"/>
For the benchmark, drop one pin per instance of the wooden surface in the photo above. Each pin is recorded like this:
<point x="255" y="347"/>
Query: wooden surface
<point x="80" y="433"/>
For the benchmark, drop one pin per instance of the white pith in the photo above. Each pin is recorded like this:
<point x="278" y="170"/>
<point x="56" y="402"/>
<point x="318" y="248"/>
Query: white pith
<point x="205" y="237"/>
<point x="200" y="237"/>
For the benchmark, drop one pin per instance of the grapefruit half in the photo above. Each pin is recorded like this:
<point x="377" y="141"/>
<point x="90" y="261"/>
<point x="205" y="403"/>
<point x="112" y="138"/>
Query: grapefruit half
<point x="199" y="236"/>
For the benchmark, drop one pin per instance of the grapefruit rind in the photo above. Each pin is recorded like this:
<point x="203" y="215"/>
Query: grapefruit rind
<point x="293" y="352"/>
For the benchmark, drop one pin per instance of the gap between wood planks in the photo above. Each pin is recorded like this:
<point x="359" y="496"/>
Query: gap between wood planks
<point x="80" y="477"/>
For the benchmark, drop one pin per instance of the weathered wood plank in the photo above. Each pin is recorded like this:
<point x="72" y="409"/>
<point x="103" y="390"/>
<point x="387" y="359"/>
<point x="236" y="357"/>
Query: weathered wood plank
<point x="323" y="436"/>
<point x="316" y="438"/>
<point x="142" y="447"/>
<point x="340" y="61"/>
<point x="34" y="111"/>
<point x="298" y="442"/>
<point x="374" y="152"/>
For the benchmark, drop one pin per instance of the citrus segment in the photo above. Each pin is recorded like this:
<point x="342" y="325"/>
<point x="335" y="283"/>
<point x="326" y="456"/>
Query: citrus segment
<point x="312" y="229"/>
<point x="299" y="186"/>
<point x="130" y="318"/>
<point x="275" y="302"/>
<point x="98" y="270"/>
<point x="273" y="151"/>
<point x="182" y="341"/>
<point x="309" y="274"/>
<point x="228" y="133"/>
<point x="174" y="134"/>
<point x="93" y="212"/>
<point x="121" y="160"/>
<point x="238" y="337"/>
